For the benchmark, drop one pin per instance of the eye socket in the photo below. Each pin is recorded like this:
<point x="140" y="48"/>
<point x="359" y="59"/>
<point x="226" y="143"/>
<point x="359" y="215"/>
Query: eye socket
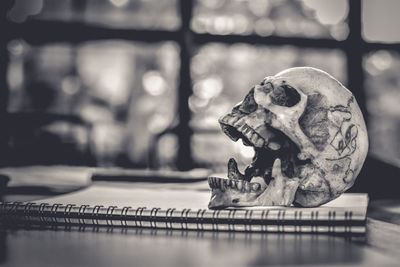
<point x="249" y="104"/>
<point x="285" y="95"/>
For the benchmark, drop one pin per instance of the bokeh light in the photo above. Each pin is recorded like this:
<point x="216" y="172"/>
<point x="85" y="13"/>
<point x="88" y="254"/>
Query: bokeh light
<point x="154" y="83"/>
<point x="308" y="18"/>
<point x="119" y="3"/>
<point x="71" y="84"/>
<point x="328" y="11"/>
<point x="137" y="14"/>
<point x="22" y="9"/>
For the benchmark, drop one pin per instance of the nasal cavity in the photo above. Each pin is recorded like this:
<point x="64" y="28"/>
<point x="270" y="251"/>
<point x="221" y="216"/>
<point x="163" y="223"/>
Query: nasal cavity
<point x="285" y="95"/>
<point x="248" y="105"/>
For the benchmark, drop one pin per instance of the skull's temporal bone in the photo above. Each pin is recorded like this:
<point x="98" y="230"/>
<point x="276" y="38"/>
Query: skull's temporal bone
<point x="309" y="139"/>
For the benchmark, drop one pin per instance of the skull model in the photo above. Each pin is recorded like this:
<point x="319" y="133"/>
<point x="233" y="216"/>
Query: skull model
<point x="309" y="138"/>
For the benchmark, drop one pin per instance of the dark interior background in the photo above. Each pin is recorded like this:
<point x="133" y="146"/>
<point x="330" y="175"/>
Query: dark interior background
<point x="141" y="83"/>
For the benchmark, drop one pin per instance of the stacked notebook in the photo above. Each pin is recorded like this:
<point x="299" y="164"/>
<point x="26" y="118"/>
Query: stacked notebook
<point x="103" y="204"/>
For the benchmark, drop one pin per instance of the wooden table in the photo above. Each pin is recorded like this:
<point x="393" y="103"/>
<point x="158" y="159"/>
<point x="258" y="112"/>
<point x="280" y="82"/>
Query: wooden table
<point x="145" y="247"/>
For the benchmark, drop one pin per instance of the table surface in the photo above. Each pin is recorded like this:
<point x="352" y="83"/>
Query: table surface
<point x="91" y="246"/>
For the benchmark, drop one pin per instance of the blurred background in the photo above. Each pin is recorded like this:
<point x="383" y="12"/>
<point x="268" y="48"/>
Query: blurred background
<point x="141" y="83"/>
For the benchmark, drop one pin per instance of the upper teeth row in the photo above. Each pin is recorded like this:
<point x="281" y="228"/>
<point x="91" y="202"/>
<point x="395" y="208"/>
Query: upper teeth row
<point x="240" y="125"/>
<point x="240" y="185"/>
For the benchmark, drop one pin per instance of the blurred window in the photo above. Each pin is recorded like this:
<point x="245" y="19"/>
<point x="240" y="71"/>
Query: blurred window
<point x="24" y="10"/>
<point x="129" y="90"/>
<point x="382" y="78"/>
<point x="287" y="18"/>
<point x="222" y="76"/>
<point x="125" y="90"/>
<point x="381" y="21"/>
<point x="382" y="86"/>
<point x="138" y="14"/>
<point x="142" y="14"/>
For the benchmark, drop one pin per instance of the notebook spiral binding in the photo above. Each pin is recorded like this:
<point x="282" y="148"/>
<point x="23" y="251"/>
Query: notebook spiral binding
<point x="153" y="216"/>
<point x="95" y="214"/>
<point x="215" y="220"/>
<point x="81" y="214"/>
<point x="109" y="214"/>
<point x="53" y="212"/>
<point x="67" y="213"/>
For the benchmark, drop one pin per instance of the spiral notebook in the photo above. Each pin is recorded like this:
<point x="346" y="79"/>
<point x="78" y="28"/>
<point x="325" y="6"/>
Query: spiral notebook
<point x="121" y="206"/>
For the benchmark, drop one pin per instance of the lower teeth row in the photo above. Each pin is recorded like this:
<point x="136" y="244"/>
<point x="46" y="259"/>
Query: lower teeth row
<point x="240" y="185"/>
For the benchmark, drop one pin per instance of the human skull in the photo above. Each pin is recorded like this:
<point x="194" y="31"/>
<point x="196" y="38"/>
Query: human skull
<point x="309" y="138"/>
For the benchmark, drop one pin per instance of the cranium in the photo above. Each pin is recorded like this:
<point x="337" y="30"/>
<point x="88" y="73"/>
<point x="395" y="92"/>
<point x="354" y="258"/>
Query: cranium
<point x="309" y="138"/>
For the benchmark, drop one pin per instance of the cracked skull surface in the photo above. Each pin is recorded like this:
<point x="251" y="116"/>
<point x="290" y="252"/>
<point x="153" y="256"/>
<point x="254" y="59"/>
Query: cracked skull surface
<point x="309" y="139"/>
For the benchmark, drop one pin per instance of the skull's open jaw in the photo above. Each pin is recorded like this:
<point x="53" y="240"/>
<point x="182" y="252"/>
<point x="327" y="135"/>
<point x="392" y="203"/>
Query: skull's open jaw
<point x="269" y="180"/>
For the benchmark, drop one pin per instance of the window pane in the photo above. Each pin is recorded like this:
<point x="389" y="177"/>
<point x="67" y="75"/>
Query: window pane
<point x="381" y="20"/>
<point x="125" y="90"/>
<point x="307" y="18"/>
<point x="138" y="14"/>
<point x="223" y="74"/>
<point x="382" y="86"/>
<point x="61" y="10"/>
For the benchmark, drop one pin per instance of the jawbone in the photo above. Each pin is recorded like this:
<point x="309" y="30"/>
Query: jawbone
<point x="240" y="193"/>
